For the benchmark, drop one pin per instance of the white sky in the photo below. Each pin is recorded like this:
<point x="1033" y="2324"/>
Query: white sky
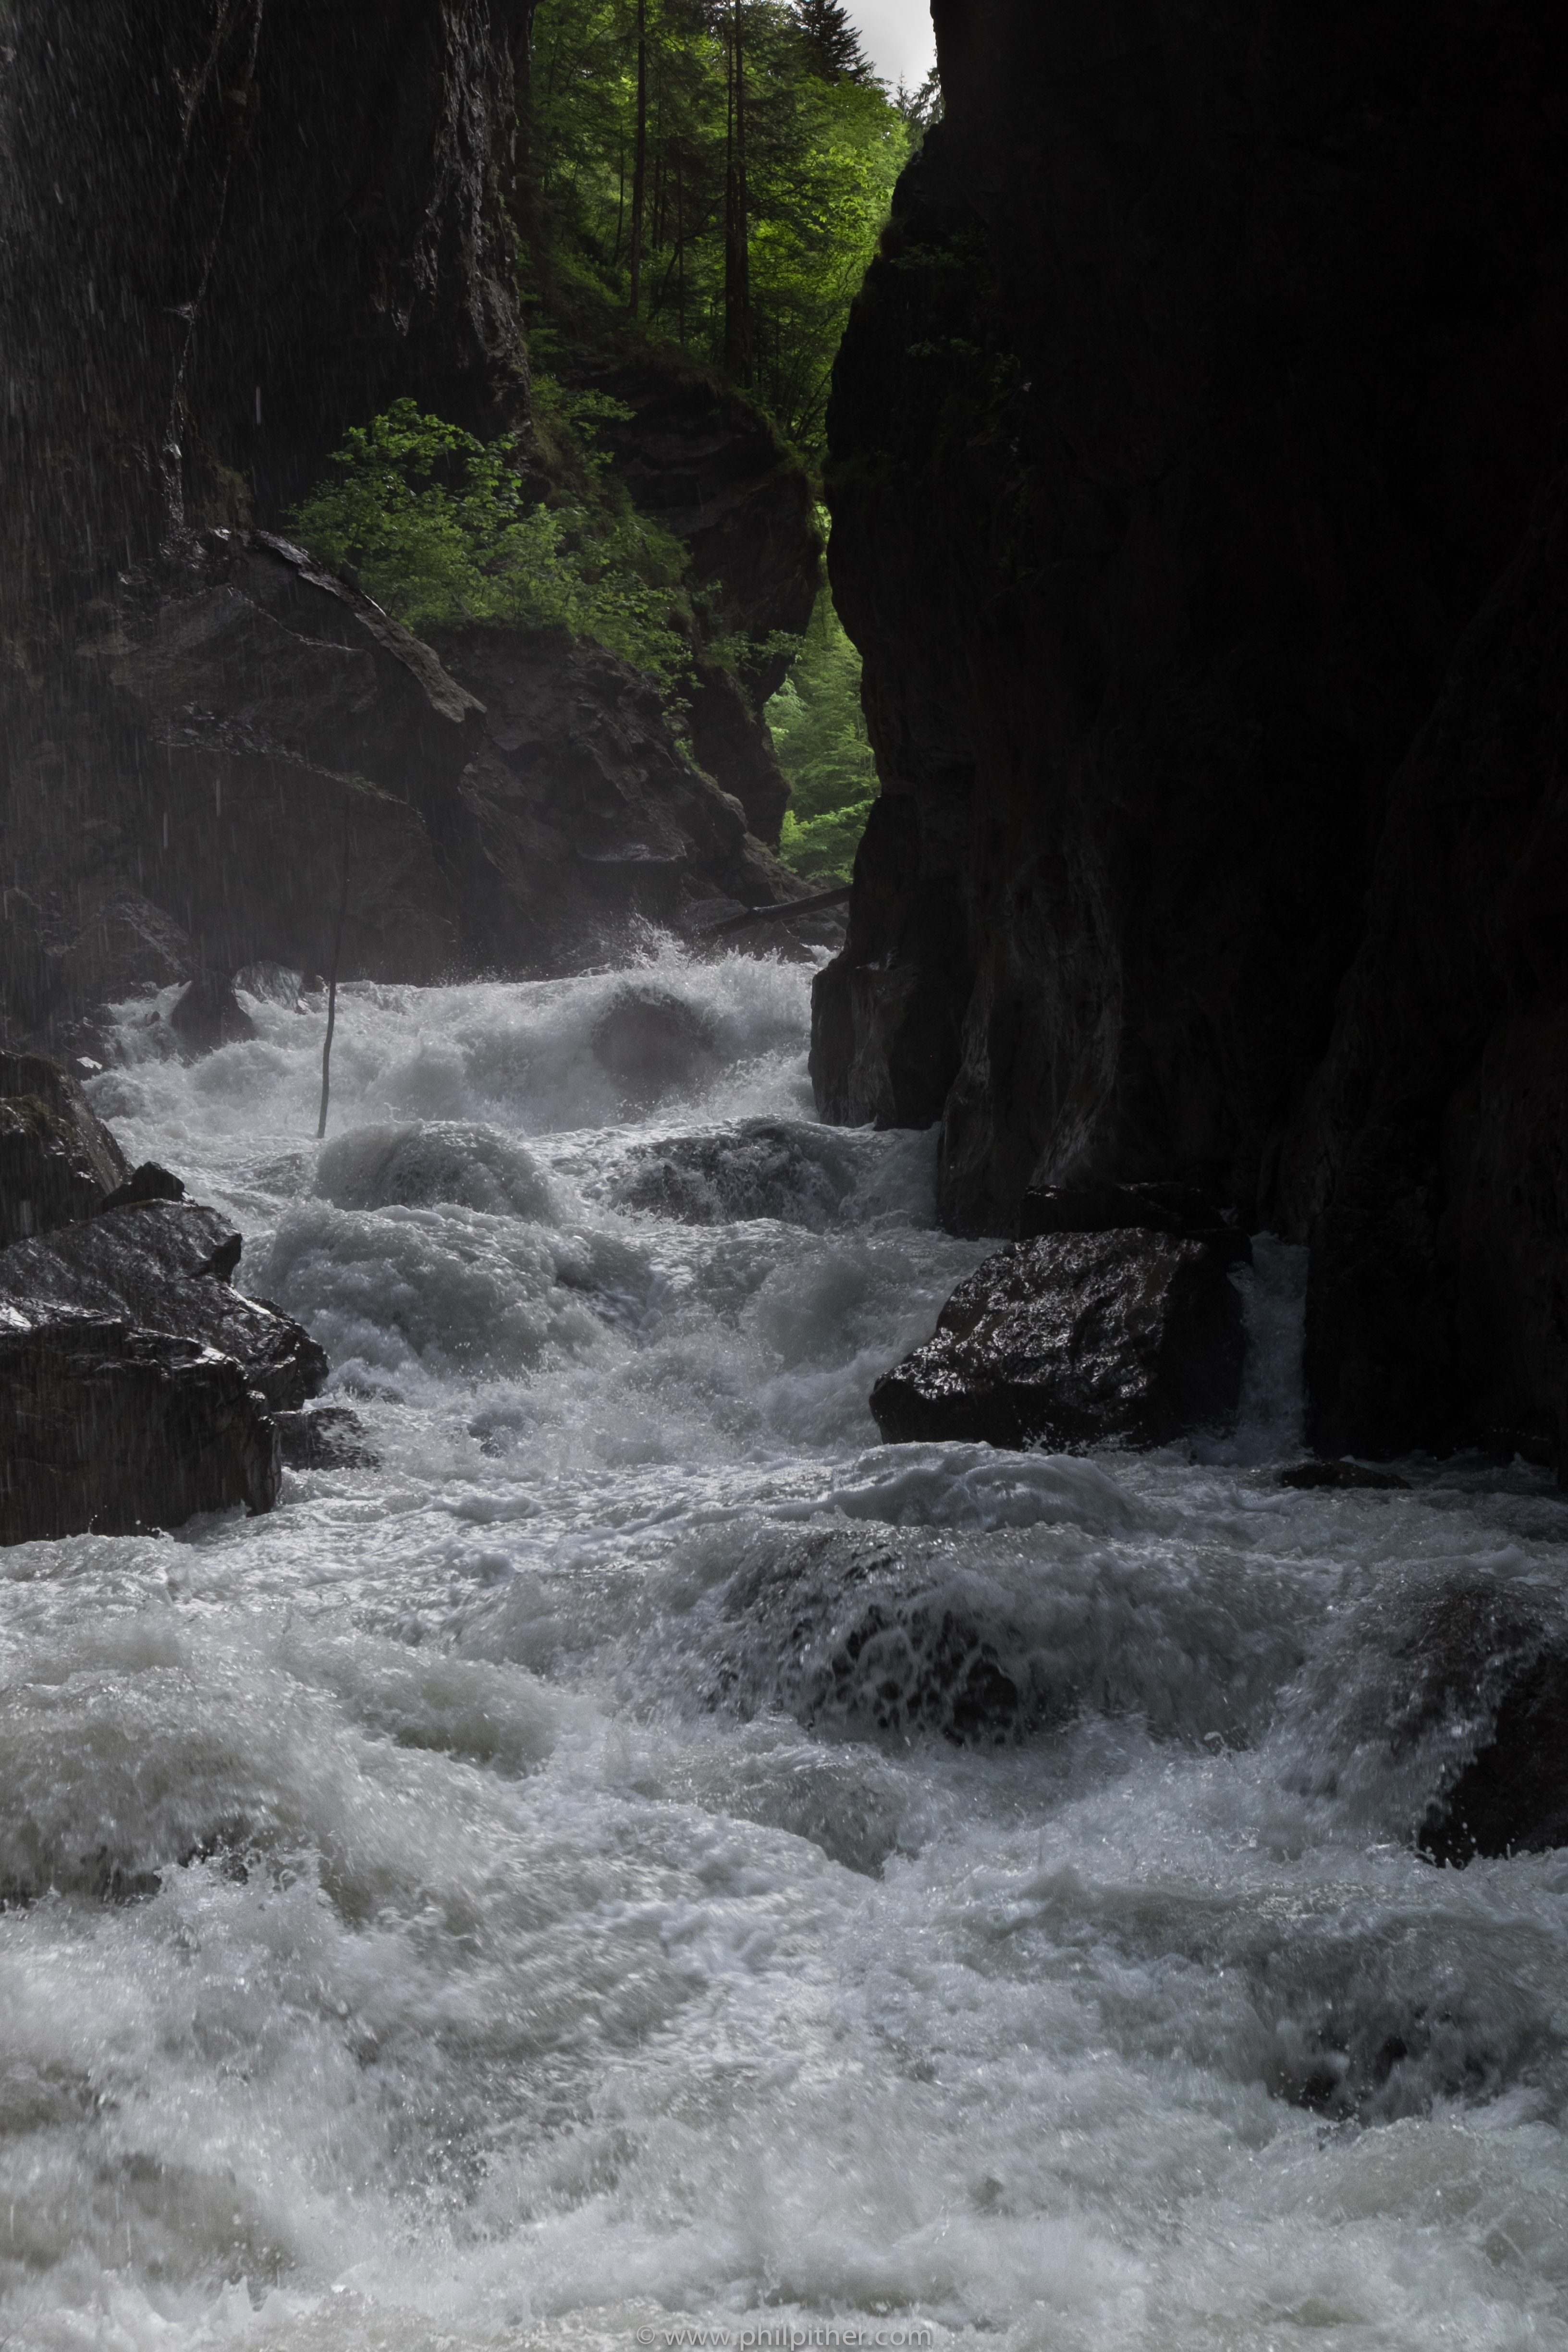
<point x="897" y="36"/>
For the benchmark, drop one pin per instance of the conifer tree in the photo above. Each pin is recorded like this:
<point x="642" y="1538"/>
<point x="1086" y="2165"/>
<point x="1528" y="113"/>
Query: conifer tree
<point x="832" y="40"/>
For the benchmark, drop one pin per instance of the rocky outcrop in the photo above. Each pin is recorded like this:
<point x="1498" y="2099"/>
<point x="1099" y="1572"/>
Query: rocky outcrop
<point x="58" y="1162"/>
<point x="1073" y="1340"/>
<point x="1428" y="1162"/>
<point x="244" y="723"/>
<point x="1203" y="391"/>
<point x="161" y="1268"/>
<point x="107" y="1430"/>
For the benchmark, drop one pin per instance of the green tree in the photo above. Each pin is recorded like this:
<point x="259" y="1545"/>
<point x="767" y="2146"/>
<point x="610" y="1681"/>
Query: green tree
<point x="831" y="38"/>
<point x="437" y="526"/>
<point x="819" y="732"/>
<point x="721" y="170"/>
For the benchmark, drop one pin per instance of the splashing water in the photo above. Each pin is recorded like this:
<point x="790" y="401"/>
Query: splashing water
<point x="464" y="1907"/>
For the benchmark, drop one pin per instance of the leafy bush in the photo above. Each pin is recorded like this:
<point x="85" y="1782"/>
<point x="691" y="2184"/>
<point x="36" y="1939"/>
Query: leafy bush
<point x="819" y="732"/>
<point x="437" y="526"/>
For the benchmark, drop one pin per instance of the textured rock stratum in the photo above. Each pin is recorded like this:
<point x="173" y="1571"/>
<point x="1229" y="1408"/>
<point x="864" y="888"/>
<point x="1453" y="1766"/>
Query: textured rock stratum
<point x="137" y="1385"/>
<point x="1196" y="510"/>
<point x="155" y="1269"/>
<point x="117" y="1430"/>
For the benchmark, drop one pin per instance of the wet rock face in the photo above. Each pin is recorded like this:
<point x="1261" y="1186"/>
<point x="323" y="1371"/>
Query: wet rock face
<point x="115" y="1430"/>
<point x="1200" y="399"/>
<point x="1074" y="1339"/>
<point x="241" y="723"/>
<point x="57" y="1159"/>
<point x="158" y="1268"/>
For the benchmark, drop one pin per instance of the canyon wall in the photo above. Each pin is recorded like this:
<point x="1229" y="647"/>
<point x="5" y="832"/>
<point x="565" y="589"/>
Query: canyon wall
<point x="1192" y="478"/>
<point x="230" y="230"/>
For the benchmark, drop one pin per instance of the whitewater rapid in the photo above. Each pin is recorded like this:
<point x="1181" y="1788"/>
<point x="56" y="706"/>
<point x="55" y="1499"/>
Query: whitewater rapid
<point x="426" y="1924"/>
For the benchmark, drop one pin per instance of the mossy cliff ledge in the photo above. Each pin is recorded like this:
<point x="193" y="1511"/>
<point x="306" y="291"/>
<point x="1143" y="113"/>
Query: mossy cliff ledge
<point x="1196" y="511"/>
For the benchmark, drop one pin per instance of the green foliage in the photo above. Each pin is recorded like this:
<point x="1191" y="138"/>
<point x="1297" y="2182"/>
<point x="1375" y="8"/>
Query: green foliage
<point x="824" y="143"/>
<point x="819" y="732"/>
<point x="437" y="526"/>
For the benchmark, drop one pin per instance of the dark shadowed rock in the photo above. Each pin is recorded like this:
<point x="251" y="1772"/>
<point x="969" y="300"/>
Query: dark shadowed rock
<point x="111" y="1430"/>
<point x="1484" y="1670"/>
<point x="1170" y="1208"/>
<point x="148" y="1183"/>
<point x="1512" y="1798"/>
<point x="1220" y="705"/>
<point x="1073" y="1340"/>
<point x="653" y="1044"/>
<point x="1341" y="1474"/>
<point x="208" y="1015"/>
<point x="57" y="1159"/>
<point x="759" y="1169"/>
<point x="150" y="1268"/>
<point x="325" y="1437"/>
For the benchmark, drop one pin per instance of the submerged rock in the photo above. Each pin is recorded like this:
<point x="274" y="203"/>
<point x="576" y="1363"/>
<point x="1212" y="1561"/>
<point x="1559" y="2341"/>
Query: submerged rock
<point x="57" y="1159"/>
<point x="329" y="1438"/>
<point x="979" y="1639"/>
<point x="1073" y="1340"/>
<point x="1346" y="1474"/>
<point x="653" y="1044"/>
<point x="111" y="1430"/>
<point x="161" y="1268"/>
<point x="759" y="1169"/>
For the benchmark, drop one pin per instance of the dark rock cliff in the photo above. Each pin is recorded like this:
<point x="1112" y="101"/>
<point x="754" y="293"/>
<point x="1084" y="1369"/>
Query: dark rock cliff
<point x="229" y="229"/>
<point x="235" y="227"/>
<point x="1190" y="447"/>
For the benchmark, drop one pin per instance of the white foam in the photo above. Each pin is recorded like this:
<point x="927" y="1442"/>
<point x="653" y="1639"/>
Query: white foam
<point x="503" y="1981"/>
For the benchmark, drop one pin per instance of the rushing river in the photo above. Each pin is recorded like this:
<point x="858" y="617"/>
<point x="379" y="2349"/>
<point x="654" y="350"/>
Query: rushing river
<point x="435" y="1939"/>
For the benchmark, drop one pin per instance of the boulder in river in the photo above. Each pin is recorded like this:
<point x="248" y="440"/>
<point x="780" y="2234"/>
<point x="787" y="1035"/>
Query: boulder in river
<point x="116" y="1431"/>
<point x="57" y="1159"/>
<point x="208" y="1014"/>
<point x="161" y="1268"/>
<point x="1492" y="1666"/>
<point x="1073" y="1340"/>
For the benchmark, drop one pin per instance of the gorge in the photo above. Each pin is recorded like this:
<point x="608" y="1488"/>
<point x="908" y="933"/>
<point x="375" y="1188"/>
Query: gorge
<point x="821" y="1628"/>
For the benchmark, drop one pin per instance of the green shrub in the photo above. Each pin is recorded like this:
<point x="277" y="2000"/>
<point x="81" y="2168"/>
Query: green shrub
<point x="819" y="732"/>
<point x="437" y="526"/>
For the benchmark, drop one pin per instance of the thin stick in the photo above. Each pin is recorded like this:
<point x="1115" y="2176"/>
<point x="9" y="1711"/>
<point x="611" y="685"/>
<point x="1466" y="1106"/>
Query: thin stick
<point x="332" y="977"/>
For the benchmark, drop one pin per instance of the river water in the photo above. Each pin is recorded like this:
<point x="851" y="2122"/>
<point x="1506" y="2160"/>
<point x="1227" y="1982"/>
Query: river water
<point x="430" y="1927"/>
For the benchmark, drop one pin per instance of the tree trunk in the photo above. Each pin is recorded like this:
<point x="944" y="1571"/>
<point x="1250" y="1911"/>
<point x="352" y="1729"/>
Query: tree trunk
<point x="737" y="239"/>
<point x="639" y="159"/>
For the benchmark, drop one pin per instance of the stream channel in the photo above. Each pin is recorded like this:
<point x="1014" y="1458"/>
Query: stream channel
<point x="467" y="1920"/>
